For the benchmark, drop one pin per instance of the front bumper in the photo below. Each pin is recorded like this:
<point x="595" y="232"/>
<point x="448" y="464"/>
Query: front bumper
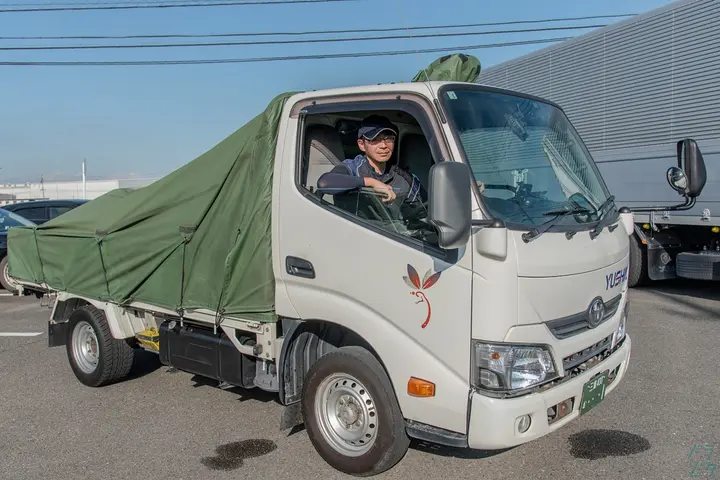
<point x="493" y="421"/>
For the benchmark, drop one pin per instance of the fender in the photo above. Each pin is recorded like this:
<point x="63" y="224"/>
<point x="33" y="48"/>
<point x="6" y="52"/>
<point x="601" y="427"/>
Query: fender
<point x="123" y="324"/>
<point x="401" y="355"/>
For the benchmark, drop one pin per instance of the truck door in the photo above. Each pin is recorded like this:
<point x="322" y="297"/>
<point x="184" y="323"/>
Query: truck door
<point x="354" y="263"/>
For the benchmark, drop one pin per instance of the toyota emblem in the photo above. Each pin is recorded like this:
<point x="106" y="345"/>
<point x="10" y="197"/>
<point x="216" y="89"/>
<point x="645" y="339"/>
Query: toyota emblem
<point x="596" y="312"/>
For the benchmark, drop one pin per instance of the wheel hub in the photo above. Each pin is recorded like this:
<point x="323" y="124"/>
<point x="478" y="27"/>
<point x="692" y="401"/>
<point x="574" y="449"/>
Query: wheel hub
<point x="348" y="412"/>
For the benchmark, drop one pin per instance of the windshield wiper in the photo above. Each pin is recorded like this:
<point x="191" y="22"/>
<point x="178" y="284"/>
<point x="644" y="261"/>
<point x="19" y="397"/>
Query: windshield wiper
<point x="604" y="221"/>
<point x="536" y="232"/>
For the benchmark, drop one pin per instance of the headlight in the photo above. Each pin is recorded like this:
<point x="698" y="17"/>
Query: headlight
<point x="622" y="327"/>
<point x="503" y="367"/>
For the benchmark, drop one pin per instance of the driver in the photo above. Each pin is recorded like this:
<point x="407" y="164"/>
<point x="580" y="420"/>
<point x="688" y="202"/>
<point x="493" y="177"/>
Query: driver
<point x="376" y="139"/>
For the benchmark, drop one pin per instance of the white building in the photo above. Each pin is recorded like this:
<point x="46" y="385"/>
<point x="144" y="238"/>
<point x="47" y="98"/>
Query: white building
<point x="22" y="192"/>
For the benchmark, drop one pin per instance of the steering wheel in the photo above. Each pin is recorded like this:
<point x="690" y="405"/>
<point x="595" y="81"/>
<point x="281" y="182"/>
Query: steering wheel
<point x="417" y="211"/>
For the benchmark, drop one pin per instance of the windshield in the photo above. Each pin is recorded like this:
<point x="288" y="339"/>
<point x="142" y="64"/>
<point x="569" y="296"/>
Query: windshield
<point x="9" y="219"/>
<point x="528" y="161"/>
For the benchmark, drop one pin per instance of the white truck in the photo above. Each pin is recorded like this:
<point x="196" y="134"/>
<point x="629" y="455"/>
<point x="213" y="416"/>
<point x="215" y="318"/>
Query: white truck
<point x="494" y="315"/>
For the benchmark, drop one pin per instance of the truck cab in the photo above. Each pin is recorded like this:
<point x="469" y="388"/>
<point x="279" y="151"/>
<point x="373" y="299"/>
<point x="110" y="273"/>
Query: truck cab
<point x="502" y="296"/>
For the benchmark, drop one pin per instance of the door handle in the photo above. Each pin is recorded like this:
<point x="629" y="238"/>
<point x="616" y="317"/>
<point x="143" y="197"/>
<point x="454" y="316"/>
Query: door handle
<point x="299" y="267"/>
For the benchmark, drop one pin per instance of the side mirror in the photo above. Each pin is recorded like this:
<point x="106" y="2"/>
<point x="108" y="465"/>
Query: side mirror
<point x="677" y="180"/>
<point x="689" y="177"/>
<point x="450" y="203"/>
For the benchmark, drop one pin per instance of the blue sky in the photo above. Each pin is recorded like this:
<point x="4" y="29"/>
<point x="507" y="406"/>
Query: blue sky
<point x="146" y="121"/>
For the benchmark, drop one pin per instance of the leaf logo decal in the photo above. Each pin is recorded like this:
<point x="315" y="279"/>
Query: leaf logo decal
<point x="413" y="281"/>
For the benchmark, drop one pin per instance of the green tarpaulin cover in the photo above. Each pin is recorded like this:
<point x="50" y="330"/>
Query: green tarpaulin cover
<point x="199" y="237"/>
<point x="457" y="67"/>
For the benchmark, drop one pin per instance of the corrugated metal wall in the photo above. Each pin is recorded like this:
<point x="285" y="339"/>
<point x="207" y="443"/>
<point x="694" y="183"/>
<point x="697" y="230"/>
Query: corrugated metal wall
<point x="649" y="80"/>
<point x="633" y="90"/>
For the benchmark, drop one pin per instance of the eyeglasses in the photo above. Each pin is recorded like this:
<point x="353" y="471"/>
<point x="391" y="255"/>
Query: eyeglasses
<point x="382" y="138"/>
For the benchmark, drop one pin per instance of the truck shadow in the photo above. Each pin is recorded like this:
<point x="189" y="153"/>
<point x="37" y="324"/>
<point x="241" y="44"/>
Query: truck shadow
<point x="244" y="394"/>
<point x="454" y="452"/>
<point x="706" y="290"/>
<point x="144" y="363"/>
<point x="686" y="293"/>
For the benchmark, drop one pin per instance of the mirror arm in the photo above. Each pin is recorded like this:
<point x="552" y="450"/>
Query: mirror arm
<point x="689" y="203"/>
<point x="490" y="222"/>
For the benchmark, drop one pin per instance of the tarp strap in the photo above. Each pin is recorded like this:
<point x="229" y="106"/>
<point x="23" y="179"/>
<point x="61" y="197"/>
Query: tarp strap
<point x="181" y="308"/>
<point x="102" y="263"/>
<point x="186" y="232"/>
<point x="37" y="247"/>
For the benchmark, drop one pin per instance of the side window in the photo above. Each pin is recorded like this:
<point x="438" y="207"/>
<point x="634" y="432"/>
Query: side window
<point x="57" y="211"/>
<point x="335" y="162"/>
<point x="34" y="214"/>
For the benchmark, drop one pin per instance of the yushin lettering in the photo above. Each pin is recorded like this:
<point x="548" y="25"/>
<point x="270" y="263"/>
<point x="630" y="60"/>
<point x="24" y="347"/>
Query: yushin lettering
<point x="614" y="279"/>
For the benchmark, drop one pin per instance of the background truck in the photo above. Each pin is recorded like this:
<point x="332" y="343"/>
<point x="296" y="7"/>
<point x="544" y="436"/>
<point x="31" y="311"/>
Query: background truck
<point x="632" y="89"/>
<point x="482" y="313"/>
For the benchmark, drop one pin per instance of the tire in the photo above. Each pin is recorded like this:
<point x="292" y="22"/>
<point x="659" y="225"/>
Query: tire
<point x="352" y="375"/>
<point x="638" y="274"/>
<point x="88" y="330"/>
<point x="7" y="283"/>
<point x="698" y="265"/>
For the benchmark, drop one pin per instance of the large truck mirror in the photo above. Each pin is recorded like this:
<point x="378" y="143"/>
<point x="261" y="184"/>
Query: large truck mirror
<point x="688" y="178"/>
<point x="450" y="203"/>
<point x="690" y="175"/>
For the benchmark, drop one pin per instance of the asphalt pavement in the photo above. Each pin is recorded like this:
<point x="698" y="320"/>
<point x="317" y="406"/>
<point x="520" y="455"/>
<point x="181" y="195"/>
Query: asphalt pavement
<point x="662" y="422"/>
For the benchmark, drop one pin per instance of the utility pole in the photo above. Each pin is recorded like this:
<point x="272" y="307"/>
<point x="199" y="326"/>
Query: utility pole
<point x="84" y="182"/>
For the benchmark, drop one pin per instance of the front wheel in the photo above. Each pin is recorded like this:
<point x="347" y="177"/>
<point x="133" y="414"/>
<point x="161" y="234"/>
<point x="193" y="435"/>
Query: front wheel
<point x="96" y="357"/>
<point x="351" y="414"/>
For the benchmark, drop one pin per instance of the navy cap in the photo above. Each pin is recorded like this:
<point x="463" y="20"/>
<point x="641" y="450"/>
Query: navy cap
<point x="373" y="125"/>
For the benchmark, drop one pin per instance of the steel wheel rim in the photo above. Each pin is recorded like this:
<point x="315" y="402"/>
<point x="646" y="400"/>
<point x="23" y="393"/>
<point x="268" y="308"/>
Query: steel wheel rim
<point x="347" y="415"/>
<point x="86" y="348"/>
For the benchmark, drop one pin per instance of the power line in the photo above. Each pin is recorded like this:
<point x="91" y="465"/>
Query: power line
<point x="286" y="42"/>
<point x="166" y="5"/>
<point x="280" y="59"/>
<point x="313" y="32"/>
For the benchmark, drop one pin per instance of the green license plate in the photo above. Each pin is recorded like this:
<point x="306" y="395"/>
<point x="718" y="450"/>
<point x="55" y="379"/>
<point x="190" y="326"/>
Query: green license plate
<point x="593" y="392"/>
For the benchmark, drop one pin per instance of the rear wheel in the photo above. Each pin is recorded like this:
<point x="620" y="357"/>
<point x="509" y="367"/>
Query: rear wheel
<point x="8" y="283"/>
<point x="96" y="357"/>
<point x="351" y="414"/>
<point x="638" y="273"/>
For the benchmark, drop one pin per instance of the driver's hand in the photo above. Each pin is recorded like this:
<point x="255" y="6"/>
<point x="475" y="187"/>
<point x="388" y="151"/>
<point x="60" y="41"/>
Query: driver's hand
<point x="382" y="188"/>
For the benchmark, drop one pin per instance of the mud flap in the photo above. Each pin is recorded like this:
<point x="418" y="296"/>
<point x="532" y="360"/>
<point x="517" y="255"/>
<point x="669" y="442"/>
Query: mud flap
<point x="291" y="416"/>
<point x="661" y="260"/>
<point x="57" y="334"/>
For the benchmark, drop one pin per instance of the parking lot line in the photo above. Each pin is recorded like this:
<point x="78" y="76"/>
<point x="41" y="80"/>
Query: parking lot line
<point x="20" y="334"/>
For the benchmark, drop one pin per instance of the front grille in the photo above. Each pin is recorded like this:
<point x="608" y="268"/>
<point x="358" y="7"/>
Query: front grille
<point x="587" y="357"/>
<point x="578" y="323"/>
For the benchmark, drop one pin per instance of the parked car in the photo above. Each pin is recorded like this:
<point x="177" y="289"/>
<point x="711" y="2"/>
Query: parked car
<point x="8" y="220"/>
<point x="41" y="211"/>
